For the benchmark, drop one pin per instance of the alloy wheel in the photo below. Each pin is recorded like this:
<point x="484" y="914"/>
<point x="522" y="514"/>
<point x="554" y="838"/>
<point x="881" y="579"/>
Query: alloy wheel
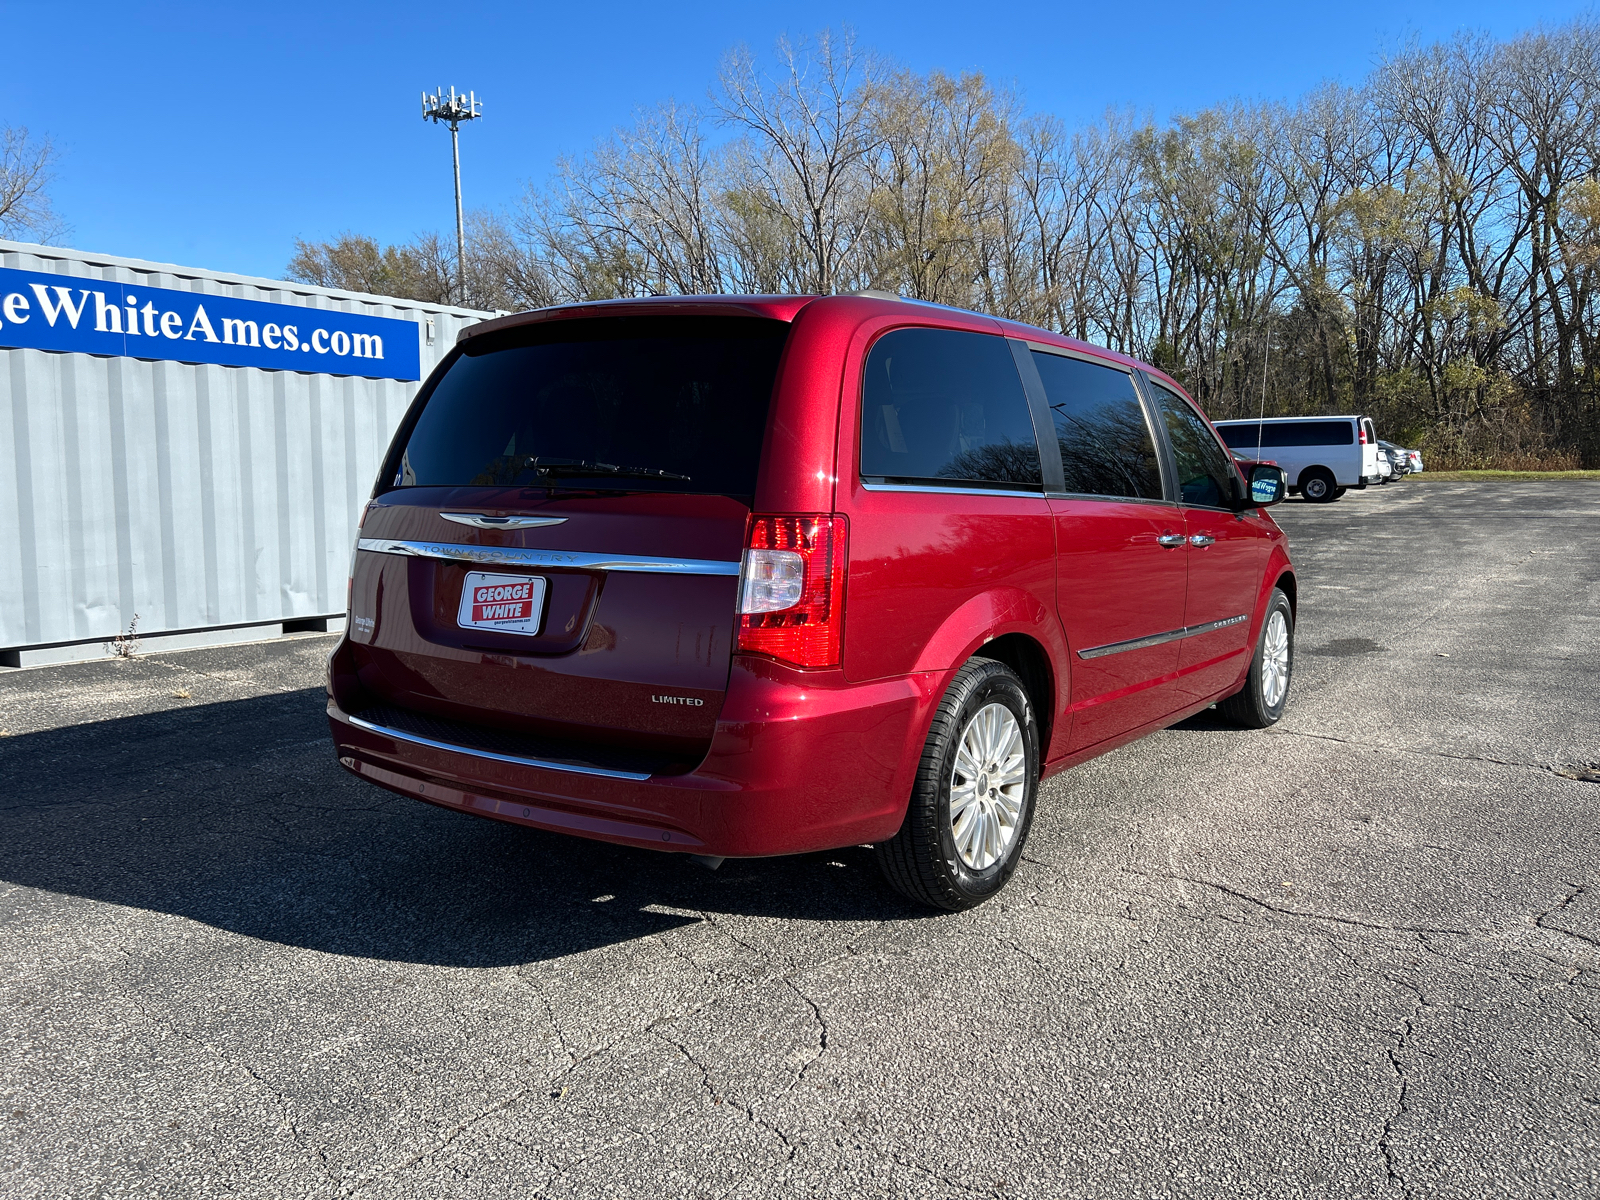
<point x="1275" y="660"/>
<point x="987" y="786"/>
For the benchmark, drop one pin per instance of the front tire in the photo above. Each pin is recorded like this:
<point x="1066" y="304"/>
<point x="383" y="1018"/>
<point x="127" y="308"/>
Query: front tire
<point x="1266" y="688"/>
<point x="973" y="800"/>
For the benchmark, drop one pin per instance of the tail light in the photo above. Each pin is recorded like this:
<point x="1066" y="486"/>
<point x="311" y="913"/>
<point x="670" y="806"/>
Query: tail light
<point x="1361" y="433"/>
<point x="791" y="590"/>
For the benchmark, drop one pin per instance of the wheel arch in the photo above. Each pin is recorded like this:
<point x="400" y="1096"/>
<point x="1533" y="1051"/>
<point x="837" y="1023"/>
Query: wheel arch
<point x="1291" y="589"/>
<point x="1030" y="662"/>
<point x="1023" y="633"/>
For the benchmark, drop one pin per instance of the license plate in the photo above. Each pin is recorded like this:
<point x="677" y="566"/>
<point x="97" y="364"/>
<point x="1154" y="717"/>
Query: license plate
<point x="507" y="603"/>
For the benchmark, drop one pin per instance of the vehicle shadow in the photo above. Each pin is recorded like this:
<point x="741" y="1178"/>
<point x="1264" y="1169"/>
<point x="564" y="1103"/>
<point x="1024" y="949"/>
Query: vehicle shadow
<point x="236" y="815"/>
<point x="1207" y="720"/>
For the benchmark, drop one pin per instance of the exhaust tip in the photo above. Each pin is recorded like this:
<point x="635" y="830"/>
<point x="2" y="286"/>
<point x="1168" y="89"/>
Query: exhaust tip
<point x="708" y="861"/>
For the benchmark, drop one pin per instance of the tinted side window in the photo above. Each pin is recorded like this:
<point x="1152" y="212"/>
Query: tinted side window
<point x="943" y="406"/>
<point x="1310" y="433"/>
<point x="1106" y="448"/>
<point x="1324" y="433"/>
<point x="1205" y="472"/>
<point x="1289" y="433"/>
<point x="1243" y="437"/>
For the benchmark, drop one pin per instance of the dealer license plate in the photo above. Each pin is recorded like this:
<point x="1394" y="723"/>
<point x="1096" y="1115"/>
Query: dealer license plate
<point x="507" y="603"/>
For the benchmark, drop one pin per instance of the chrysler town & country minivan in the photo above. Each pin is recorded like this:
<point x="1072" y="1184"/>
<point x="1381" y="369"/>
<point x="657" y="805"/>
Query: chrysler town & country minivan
<point x="747" y="576"/>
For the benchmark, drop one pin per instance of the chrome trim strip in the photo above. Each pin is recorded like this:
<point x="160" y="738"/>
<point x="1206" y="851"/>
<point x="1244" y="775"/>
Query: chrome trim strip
<point x="505" y="758"/>
<point x="513" y="556"/>
<point x="478" y="520"/>
<point x="1156" y="639"/>
<point x="946" y="491"/>
<point x="1161" y="500"/>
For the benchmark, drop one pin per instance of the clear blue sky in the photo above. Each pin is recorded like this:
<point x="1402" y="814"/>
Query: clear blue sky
<point x="212" y="135"/>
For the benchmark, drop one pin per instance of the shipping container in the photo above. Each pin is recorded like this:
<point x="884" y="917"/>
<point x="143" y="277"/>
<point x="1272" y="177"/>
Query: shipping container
<point x="187" y="451"/>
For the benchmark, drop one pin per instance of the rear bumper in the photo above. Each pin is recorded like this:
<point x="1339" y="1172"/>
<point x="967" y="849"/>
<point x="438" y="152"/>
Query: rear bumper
<point x="800" y="761"/>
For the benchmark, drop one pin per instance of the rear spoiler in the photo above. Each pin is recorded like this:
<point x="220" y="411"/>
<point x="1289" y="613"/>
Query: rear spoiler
<point x="771" y="308"/>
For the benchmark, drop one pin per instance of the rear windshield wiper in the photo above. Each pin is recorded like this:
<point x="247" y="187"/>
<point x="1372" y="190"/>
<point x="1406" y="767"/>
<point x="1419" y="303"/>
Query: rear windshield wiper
<point x="554" y="467"/>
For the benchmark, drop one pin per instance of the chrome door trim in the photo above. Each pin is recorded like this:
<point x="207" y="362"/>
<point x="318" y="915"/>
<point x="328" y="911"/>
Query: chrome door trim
<point x="514" y="556"/>
<point x="1161" y="500"/>
<point x="948" y="491"/>
<point x="490" y="754"/>
<point x="479" y="521"/>
<point x="1156" y="639"/>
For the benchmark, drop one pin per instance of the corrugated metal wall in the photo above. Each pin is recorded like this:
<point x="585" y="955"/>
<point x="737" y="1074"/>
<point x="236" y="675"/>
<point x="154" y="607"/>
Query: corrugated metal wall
<point x="196" y="496"/>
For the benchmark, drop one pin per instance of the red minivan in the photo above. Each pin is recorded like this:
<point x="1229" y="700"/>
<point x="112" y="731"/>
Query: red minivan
<point x="744" y="576"/>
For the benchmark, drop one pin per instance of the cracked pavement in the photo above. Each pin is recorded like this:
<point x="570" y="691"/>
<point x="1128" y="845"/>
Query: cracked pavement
<point x="1354" y="955"/>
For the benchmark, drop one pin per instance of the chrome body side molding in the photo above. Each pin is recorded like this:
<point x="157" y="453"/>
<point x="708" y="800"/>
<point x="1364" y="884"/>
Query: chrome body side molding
<point x="1155" y="639"/>
<point x="577" y="560"/>
<point x="479" y="521"/>
<point x="418" y="739"/>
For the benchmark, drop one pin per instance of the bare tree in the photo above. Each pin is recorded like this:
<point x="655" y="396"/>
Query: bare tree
<point x="25" y="176"/>
<point x="945" y="159"/>
<point x="809" y="133"/>
<point x="641" y="211"/>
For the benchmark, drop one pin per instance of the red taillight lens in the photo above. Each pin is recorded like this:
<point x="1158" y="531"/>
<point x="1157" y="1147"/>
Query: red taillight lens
<point x="797" y="563"/>
<point x="1363" y="435"/>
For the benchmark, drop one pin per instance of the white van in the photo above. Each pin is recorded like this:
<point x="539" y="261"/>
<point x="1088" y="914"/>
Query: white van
<point x="1321" y="455"/>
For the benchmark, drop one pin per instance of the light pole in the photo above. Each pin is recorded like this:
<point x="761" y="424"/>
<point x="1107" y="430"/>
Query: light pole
<point x="454" y="109"/>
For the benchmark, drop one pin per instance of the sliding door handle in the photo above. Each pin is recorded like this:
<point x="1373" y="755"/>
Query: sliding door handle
<point x="1201" y="539"/>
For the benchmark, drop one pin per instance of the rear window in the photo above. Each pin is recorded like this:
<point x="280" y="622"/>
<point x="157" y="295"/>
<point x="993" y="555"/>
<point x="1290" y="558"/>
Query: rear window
<point x="1289" y="433"/>
<point x="668" y="403"/>
<point x="945" y="407"/>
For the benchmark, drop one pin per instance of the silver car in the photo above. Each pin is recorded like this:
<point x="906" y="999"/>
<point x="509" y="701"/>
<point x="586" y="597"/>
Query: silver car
<point x="1402" y="461"/>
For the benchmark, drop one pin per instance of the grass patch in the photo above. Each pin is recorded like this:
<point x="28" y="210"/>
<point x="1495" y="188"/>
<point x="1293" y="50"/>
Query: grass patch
<point x="1469" y="476"/>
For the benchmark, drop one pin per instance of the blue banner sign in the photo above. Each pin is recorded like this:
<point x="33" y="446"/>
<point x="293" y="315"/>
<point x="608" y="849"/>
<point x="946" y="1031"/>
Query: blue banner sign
<point x="40" y="311"/>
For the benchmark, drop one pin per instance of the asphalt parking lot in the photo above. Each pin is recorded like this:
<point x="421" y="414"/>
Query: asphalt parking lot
<point x="1354" y="955"/>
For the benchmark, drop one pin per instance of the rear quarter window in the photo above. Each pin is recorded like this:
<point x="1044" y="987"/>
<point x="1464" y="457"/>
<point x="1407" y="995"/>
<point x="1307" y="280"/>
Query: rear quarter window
<point x="942" y="406"/>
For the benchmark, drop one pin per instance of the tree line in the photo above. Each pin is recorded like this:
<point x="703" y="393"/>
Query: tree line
<point x="1422" y="248"/>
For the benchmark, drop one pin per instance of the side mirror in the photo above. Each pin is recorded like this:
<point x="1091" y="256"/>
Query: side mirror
<point x="1268" y="484"/>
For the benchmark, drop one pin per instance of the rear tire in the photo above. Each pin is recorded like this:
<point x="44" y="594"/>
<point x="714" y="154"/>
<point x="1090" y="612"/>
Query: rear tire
<point x="1337" y="492"/>
<point x="956" y="861"/>
<point x="1266" y="688"/>
<point x="1317" y="485"/>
